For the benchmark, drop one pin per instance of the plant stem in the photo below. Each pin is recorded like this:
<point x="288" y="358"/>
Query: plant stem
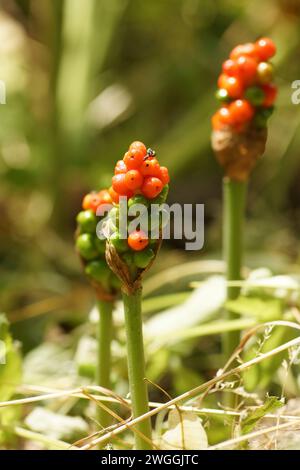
<point x="104" y="336"/>
<point x="136" y="366"/>
<point x="234" y="208"/>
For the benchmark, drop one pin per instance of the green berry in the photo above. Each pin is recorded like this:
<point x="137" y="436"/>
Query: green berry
<point x="100" y="245"/>
<point x="120" y="244"/>
<point x="265" y="72"/>
<point x="86" y="246"/>
<point x="114" y="281"/>
<point x="87" y="221"/>
<point x="128" y="259"/>
<point x="222" y="95"/>
<point x="255" y="95"/>
<point x="98" y="270"/>
<point x="142" y="258"/>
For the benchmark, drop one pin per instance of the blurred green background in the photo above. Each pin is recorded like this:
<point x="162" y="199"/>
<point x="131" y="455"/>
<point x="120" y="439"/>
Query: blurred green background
<point x="83" y="80"/>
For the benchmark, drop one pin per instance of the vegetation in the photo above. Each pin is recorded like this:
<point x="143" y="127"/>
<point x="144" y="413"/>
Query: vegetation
<point x="82" y="79"/>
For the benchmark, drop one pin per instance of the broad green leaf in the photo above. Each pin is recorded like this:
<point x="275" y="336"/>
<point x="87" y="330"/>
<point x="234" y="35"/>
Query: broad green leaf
<point x="185" y="432"/>
<point x="262" y="309"/>
<point x="56" y="426"/>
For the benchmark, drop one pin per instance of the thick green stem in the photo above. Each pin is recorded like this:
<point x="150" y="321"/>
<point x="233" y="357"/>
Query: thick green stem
<point x="136" y="367"/>
<point x="234" y="208"/>
<point x="104" y="336"/>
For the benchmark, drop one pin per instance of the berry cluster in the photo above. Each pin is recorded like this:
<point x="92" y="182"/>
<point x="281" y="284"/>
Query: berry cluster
<point x="245" y="87"/>
<point x="143" y="181"/>
<point x="91" y="248"/>
<point x="138" y="173"/>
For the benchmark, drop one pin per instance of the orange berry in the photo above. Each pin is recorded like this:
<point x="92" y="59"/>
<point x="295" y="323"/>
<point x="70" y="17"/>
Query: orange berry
<point x="241" y="111"/>
<point x="152" y="187"/>
<point x="138" y="240"/>
<point x="233" y="85"/>
<point x="138" y="147"/>
<point x="247" y="68"/>
<point x="105" y="197"/>
<point x="114" y="195"/>
<point x="164" y="175"/>
<point x="91" y="201"/>
<point x="133" y="159"/>
<point x="230" y="67"/>
<point x="216" y="122"/>
<point x="265" y="48"/>
<point x="133" y="179"/>
<point x="270" y="92"/>
<point x="225" y="116"/>
<point x="249" y="49"/>
<point x="150" y="167"/>
<point x="120" y="167"/>
<point x="119" y="185"/>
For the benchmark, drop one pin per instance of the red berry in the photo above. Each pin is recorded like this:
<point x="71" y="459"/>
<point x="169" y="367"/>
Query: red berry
<point x="225" y="116"/>
<point x="138" y="147"/>
<point x="91" y="201"/>
<point x="133" y="159"/>
<point x="230" y="67"/>
<point x="150" y="167"/>
<point x="248" y="49"/>
<point x="138" y="240"/>
<point x="133" y="179"/>
<point x="152" y="187"/>
<point x="265" y="48"/>
<point x="164" y="175"/>
<point x="216" y="122"/>
<point x="105" y="197"/>
<point x="233" y="85"/>
<point x="270" y="92"/>
<point x="120" y="167"/>
<point x="114" y="195"/>
<point x="119" y="185"/>
<point x="241" y="111"/>
<point x="247" y="68"/>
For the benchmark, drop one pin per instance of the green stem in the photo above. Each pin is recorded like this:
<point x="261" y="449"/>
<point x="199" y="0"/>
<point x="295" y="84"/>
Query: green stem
<point x="234" y="208"/>
<point x="136" y="366"/>
<point x="104" y="336"/>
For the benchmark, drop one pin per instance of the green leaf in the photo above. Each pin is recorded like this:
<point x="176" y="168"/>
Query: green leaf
<point x="253" y="417"/>
<point x="56" y="426"/>
<point x="185" y="432"/>
<point x="262" y="309"/>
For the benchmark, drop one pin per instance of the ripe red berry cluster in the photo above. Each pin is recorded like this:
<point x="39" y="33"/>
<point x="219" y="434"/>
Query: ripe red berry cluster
<point x="142" y="180"/>
<point x="138" y="173"/>
<point x="245" y="87"/>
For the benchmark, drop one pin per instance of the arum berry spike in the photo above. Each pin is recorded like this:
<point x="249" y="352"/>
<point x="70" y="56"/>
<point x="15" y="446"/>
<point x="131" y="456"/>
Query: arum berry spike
<point x="91" y="250"/>
<point x="239" y="136"/>
<point x="140" y="178"/>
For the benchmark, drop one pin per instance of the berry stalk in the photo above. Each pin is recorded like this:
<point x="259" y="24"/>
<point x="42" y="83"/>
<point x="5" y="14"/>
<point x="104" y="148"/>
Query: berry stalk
<point x="104" y="338"/>
<point x="136" y="367"/>
<point x="234" y="197"/>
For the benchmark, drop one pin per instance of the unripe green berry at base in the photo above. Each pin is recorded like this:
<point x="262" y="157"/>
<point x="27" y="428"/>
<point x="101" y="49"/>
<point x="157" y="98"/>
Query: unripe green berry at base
<point x="222" y="95"/>
<point x="100" y="245"/>
<point x="87" y="221"/>
<point x="114" y="281"/>
<point x="255" y="95"/>
<point x="262" y="117"/>
<point x="86" y="246"/>
<point x="98" y="270"/>
<point x="120" y="244"/>
<point x="128" y="258"/>
<point x="142" y="258"/>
